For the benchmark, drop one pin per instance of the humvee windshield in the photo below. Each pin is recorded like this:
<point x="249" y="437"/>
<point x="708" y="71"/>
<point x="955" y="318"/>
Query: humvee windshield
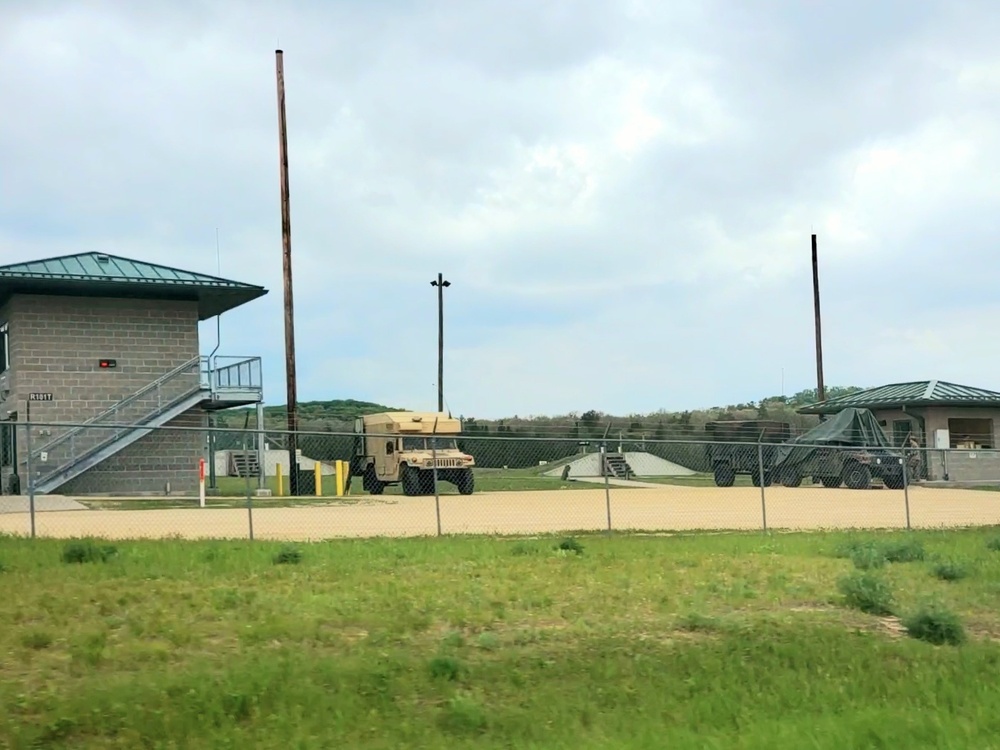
<point x="426" y="444"/>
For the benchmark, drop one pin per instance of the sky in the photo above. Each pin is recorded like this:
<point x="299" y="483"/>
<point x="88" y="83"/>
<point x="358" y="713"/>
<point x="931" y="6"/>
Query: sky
<point x="620" y="192"/>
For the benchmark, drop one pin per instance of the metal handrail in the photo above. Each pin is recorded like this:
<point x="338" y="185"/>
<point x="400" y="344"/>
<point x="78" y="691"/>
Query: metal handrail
<point x="118" y="406"/>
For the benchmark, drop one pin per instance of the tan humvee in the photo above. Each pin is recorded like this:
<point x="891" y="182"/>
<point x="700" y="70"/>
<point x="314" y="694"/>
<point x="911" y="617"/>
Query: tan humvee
<point x="401" y="447"/>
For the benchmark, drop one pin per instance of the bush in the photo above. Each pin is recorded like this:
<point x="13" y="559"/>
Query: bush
<point x="445" y="668"/>
<point x="867" y="592"/>
<point x="993" y="544"/>
<point x="936" y="625"/>
<point x="902" y="552"/>
<point x="570" y="545"/>
<point x="86" y="551"/>
<point x="288" y="556"/>
<point x="950" y="571"/>
<point x="868" y="557"/>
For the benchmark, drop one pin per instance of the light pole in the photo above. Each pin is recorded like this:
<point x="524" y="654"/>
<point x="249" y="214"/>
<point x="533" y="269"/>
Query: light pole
<point x="440" y="283"/>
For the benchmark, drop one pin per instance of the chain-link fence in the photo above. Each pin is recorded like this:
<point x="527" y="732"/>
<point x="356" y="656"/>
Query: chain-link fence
<point x="189" y="481"/>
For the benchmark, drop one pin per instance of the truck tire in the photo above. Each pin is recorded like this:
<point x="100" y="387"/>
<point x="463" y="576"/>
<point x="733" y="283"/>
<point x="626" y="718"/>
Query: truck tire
<point x="411" y="481"/>
<point x="894" y="480"/>
<point x="465" y="481"/>
<point x="857" y="476"/>
<point x="426" y="482"/>
<point x="831" y="482"/>
<point x="791" y="478"/>
<point x="755" y="478"/>
<point x="371" y="483"/>
<point x="725" y="476"/>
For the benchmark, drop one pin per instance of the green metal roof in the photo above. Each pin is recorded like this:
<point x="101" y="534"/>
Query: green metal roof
<point x="916" y="393"/>
<point x="103" y="275"/>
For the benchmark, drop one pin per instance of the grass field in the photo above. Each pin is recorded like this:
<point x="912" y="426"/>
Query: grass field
<point x="693" y="641"/>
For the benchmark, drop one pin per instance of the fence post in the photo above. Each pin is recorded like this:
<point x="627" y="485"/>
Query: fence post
<point x="434" y="460"/>
<point x="279" y="481"/>
<point x="249" y="494"/>
<point x="604" y="471"/>
<point x="763" y="481"/>
<point x="906" y="490"/>
<point x="27" y="468"/>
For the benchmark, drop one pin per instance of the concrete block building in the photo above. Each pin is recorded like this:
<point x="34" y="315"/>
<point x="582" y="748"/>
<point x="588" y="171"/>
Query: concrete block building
<point x="109" y="348"/>
<point x="956" y="423"/>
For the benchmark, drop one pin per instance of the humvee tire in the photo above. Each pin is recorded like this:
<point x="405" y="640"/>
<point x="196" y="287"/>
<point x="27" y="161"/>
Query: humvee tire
<point x="725" y="476"/>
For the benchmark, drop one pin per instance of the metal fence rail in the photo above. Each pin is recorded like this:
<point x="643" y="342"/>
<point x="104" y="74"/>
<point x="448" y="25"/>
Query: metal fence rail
<point x="162" y="485"/>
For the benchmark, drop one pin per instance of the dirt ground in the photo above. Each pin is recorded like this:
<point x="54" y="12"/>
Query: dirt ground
<point x="661" y="509"/>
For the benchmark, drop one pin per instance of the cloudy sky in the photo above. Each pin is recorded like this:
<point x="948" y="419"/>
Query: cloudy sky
<point x="621" y="193"/>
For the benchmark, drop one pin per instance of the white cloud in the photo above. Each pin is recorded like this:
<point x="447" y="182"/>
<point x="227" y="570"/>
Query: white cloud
<point x="621" y="194"/>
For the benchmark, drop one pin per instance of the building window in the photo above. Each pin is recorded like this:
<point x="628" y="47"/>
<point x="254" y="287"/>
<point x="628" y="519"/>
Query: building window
<point x="4" y="348"/>
<point x="971" y="434"/>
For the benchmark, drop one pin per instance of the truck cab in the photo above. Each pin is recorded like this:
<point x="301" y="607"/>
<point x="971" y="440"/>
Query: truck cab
<point x="407" y="448"/>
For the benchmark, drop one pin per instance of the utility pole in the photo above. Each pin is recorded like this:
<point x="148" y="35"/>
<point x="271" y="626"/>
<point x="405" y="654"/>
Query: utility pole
<point x="440" y="283"/>
<point x="820" y="388"/>
<point x="286" y="258"/>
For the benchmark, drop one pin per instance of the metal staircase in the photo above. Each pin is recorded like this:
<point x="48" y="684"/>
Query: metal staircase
<point x="197" y="382"/>
<point x="615" y="465"/>
<point x="244" y="464"/>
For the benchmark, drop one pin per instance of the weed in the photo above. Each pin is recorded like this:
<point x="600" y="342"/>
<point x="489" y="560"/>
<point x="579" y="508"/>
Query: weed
<point x="993" y="544"/>
<point x="911" y="550"/>
<point x="521" y="549"/>
<point x="464" y="715"/>
<point x="570" y="545"/>
<point x="84" y="551"/>
<point x="488" y="641"/>
<point x="36" y="639"/>
<point x="695" y="622"/>
<point x="445" y="668"/>
<point x="868" y="557"/>
<point x="935" y="624"/>
<point x="288" y="556"/>
<point x="949" y="570"/>
<point x="867" y="592"/>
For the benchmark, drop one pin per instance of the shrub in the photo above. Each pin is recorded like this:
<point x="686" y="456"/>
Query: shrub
<point x="867" y="592"/>
<point x="993" y="544"/>
<point x="936" y="625"/>
<point x="695" y="622"/>
<point x="570" y="545"/>
<point x="37" y="639"/>
<point x="910" y="550"/>
<point x="86" y="551"/>
<point x="950" y="571"/>
<point x="868" y="557"/>
<point x="445" y="668"/>
<point x="288" y="556"/>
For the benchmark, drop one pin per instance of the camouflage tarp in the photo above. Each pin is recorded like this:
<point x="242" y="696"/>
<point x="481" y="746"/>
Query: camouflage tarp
<point x="853" y="428"/>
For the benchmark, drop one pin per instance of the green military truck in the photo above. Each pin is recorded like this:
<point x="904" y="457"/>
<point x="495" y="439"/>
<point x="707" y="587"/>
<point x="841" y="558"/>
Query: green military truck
<point x="849" y="449"/>
<point x="732" y="448"/>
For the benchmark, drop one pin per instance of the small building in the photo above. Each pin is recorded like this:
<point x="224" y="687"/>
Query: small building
<point x="107" y="348"/>
<point x="945" y="416"/>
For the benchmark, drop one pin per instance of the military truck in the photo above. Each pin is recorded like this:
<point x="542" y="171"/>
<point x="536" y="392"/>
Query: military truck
<point x="401" y="448"/>
<point x="849" y="449"/>
<point x="732" y="449"/>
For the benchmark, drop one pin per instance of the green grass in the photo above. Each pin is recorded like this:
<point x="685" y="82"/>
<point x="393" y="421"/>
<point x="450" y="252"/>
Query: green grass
<point x="691" y="641"/>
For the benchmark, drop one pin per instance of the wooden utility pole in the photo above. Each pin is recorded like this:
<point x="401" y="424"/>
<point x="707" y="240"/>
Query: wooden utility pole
<point x="440" y="283"/>
<point x="286" y="258"/>
<point x="820" y="388"/>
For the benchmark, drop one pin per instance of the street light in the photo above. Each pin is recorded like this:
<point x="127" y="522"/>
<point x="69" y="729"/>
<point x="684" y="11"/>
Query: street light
<point x="440" y="283"/>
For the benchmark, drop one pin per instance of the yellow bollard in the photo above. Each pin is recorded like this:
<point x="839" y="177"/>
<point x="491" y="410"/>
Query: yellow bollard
<point x="281" y="482"/>
<point x="340" y="477"/>
<point x="318" y="472"/>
